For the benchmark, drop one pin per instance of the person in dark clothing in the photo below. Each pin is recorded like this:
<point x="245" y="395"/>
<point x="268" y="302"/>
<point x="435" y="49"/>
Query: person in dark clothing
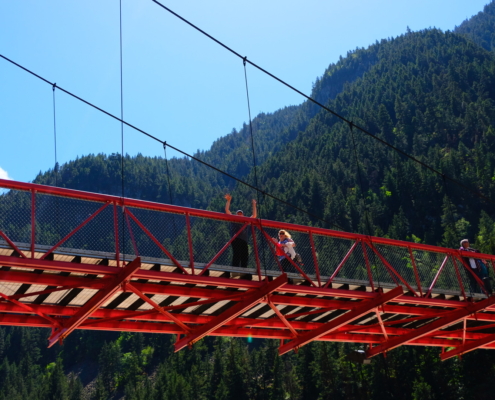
<point x="478" y="267"/>
<point x="240" y="250"/>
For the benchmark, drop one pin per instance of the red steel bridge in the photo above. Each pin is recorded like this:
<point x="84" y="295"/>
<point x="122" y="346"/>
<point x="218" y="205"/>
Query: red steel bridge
<point x="78" y="260"/>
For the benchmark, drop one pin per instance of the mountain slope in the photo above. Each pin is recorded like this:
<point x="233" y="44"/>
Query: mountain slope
<point x="480" y="28"/>
<point x="431" y="94"/>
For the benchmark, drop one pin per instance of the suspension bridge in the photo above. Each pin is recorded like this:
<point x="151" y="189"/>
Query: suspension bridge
<point x="79" y="260"/>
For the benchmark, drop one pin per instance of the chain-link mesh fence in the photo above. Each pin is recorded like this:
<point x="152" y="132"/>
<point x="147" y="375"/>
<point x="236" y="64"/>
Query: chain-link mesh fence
<point x="94" y="226"/>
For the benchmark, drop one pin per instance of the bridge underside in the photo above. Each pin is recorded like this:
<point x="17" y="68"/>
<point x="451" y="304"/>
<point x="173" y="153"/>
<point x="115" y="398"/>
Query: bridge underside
<point x="73" y="289"/>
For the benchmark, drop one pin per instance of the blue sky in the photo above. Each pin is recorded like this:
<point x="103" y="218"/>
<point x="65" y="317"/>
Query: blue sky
<point x="177" y="84"/>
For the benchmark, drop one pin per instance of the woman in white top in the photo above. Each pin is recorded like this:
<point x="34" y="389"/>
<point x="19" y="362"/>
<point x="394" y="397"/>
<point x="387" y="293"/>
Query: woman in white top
<point x="285" y="249"/>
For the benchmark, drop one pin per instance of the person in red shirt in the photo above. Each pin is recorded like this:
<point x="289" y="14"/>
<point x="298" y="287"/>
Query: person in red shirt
<point x="285" y="249"/>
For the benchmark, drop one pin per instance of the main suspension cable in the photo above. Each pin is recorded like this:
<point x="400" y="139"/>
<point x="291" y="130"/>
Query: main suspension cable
<point x="365" y="131"/>
<point x="331" y="223"/>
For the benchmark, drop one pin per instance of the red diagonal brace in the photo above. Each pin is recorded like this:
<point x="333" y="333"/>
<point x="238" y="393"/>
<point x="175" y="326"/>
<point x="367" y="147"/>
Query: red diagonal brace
<point x="444" y="263"/>
<point x="466" y="348"/>
<point x="53" y="321"/>
<point x="12" y="244"/>
<point x="154" y="239"/>
<point x="95" y="302"/>
<point x="161" y="310"/>
<point x="240" y="308"/>
<point x="70" y="234"/>
<point x="361" y="309"/>
<point x="436" y="325"/>
<point x="282" y="318"/>
<point x="391" y="269"/>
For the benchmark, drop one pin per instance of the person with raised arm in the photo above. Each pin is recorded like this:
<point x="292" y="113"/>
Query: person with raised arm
<point x="240" y="249"/>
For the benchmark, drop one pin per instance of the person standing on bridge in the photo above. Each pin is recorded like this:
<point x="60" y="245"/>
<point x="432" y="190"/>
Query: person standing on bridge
<point x="478" y="267"/>
<point x="240" y="250"/>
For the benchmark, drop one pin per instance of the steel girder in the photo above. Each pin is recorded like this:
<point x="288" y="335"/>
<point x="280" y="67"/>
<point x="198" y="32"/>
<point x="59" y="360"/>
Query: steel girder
<point x="362" y="308"/>
<point x="466" y="348"/>
<point x="250" y="300"/>
<point x="67" y="326"/>
<point x="442" y="322"/>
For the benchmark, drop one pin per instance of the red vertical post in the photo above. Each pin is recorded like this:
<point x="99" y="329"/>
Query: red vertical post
<point x="116" y="235"/>
<point x="189" y="243"/>
<point x="256" y="253"/>
<point x="33" y="221"/>
<point x="365" y="254"/>
<point x="416" y="275"/>
<point x="315" y="259"/>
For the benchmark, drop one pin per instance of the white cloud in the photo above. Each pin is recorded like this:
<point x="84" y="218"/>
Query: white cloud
<point x="4" y="174"/>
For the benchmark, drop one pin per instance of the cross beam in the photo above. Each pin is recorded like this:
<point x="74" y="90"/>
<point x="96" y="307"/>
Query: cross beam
<point x="94" y="303"/>
<point x="361" y="309"/>
<point x="436" y="325"/>
<point x="241" y="307"/>
<point x="466" y="348"/>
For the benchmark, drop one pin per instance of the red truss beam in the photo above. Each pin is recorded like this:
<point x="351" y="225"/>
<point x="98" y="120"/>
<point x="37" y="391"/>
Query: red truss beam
<point x="70" y="234"/>
<point x="436" y="325"/>
<point x="12" y="244"/>
<point x="81" y="195"/>
<point x="241" y="307"/>
<point x="466" y="348"/>
<point x="31" y="309"/>
<point x="186" y="291"/>
<point x="161" y="310"/>
<point x="155" y="240"/>
<point x="151" y="327"/>
<point x="151" y="315"/>
<point x="361" y="309"/>
<point x="94" y="303"/>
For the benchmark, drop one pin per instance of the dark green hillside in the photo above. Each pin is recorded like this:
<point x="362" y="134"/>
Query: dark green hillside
<point x="432" y="95"/>
<point x="480" y="28"/>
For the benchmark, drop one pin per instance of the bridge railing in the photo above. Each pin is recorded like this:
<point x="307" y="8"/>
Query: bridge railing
<point x="34" y="217"/>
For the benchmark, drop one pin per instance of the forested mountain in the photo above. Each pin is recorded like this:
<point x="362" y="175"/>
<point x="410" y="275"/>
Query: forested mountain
<point x="430" y="94"/>
<point x="480" y="28"/>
